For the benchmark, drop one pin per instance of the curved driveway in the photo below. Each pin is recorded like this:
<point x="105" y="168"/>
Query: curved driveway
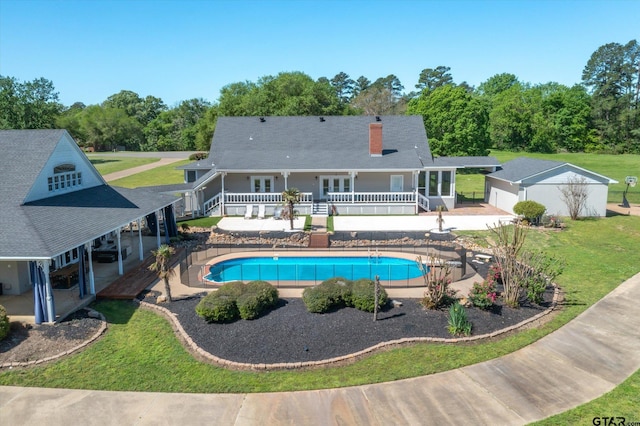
<point x="575" y="364"/>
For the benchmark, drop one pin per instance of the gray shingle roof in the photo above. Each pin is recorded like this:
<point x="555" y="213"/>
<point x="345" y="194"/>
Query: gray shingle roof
<point x="309" y="143"/>
<point x="521" y="168"/>
<point x="51" y="226"/>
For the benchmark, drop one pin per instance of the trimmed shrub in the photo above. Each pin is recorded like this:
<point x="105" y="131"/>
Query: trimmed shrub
<point x="4" y="323"/>
<point x="196" y="156"/>
<point x="530" y="210"/>
<point x="267" y="293"/>
<point x="259" y="296"/>
<point x="232" y="289"/>
<point x="216" y="307"/>
<point x="238" y="300"/>
<point x="331" y="294"/>
<point x="363" y="295"/>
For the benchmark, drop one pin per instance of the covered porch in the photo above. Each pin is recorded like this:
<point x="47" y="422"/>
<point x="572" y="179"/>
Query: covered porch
<point x="20" y="307"/>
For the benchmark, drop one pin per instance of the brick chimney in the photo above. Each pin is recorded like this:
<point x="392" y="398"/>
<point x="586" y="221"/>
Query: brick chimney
<point x="375" y="139"/>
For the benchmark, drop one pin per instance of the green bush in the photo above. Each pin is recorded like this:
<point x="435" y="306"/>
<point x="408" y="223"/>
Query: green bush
<point x="331" y="294"/>
<point x="232" y="289"/>
<point x="4" y="323"/>
<point x="458" y="322"/>
<point x="238" y="300"/>
<point x="267" y="293"/>
<point x="363" y="295"/>
<point x="530" y="210"/>
<point x="196" y="156"/>
<point x="216" y="307"/>
<point x="259" y="296"/>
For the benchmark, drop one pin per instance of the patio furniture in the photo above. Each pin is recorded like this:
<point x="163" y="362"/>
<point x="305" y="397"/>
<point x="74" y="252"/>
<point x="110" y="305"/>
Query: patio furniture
<point x="261" y="211"/>
<point x="248" y="214"/>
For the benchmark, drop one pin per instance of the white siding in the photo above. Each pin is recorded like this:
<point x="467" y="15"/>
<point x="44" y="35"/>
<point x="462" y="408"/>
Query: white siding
<point x="66" y="152"/>
<point x="501" y="194"/>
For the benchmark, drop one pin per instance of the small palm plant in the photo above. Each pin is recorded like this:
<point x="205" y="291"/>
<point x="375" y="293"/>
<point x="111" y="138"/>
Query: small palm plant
<point x="291" y="197"/>
<point x="161" y="266"/>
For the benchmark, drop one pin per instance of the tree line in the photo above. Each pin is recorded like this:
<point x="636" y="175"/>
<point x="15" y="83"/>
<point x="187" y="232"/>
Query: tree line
<point x="599" y="115"/>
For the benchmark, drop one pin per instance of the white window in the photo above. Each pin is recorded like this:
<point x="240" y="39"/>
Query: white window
<point x="261" y="183"/>
<point x="441" y="183"/>
<point x="334" y="184"/>
<point x="397" y="183"/>
<point x="64" y="177"/>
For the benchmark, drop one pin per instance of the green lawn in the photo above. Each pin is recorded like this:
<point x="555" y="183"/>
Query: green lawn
<point x="110" y="164"/>
<point x="163" y="175"/>
<point x="140" y="352"/>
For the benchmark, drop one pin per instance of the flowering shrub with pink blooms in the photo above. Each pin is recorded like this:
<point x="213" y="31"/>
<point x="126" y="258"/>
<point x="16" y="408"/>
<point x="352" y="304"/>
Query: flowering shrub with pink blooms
<point x="483" y="295"/>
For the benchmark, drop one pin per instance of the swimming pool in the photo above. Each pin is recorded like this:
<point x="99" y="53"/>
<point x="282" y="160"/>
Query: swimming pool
<point x="312" y="268"/>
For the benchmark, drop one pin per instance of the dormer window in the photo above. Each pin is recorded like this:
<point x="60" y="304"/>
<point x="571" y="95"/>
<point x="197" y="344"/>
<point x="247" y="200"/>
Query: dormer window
<point x="64" y="177"/>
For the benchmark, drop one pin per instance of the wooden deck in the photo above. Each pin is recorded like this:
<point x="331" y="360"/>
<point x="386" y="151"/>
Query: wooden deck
<point x="133" y="282"/>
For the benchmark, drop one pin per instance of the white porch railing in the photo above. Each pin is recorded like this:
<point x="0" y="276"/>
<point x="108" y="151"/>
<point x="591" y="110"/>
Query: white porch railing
<point x="372" y="197"/>
<point x="212" y="203"/>
<point x="262" y="198"/>
<point x="423" y="202"/>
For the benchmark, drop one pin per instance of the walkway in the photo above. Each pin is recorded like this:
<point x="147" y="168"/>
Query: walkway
<point x="569" y="367"/>
<point x="135" y="170"/>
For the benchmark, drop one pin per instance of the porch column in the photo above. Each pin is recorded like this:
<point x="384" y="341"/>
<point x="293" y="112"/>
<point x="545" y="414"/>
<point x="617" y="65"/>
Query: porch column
<point x="158" y="228"/>
<point x="286" y="179"/>
<point x="222" y="197"/>
<point x="48" y="291"/>
<point x="140" y="245"/>
<point x="92" y="281"/>
<point x="416" y="174"/>
<point x="119" y="248"/>
<point x="353" y="186"/>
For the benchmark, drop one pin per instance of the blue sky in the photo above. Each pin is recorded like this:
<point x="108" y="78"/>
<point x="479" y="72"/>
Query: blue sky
<point x="177" y="50"/>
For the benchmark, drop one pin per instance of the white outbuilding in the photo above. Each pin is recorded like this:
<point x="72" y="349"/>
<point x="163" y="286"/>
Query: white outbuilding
<point x="543" y="181"/>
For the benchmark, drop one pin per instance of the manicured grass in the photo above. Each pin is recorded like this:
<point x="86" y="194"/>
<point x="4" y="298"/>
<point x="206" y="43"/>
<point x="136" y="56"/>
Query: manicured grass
<point x="623" y="401"/>
<point x="202" y="222"/>
<point x="140" y="352"/>
<point x="163" y="175"/>
<point x="613" y="166"/>
<point x="106" y="164"/>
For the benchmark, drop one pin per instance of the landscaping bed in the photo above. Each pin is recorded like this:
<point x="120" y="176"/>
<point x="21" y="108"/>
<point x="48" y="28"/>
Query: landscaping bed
<point x="290" y="333"/>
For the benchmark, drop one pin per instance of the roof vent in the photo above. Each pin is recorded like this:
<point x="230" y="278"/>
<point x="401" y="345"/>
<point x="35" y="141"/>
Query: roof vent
<point x="262" y="120"/>
<point x="322" y="119"/>
<point x="378" y="118"/>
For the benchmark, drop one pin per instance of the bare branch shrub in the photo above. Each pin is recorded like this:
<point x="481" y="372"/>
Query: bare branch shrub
<point x="574" y="194"/>
<point x="506" y="250"/>
<point x="437" y="279"/>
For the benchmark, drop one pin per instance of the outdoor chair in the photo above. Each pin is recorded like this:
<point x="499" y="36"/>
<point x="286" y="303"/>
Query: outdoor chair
<point x="249" y="213"/>
<point x="261" y="211"/>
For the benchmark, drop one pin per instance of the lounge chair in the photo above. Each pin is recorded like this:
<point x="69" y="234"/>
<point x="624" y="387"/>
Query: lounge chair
<point x="248" y="214"/>
<point x="261" y="210"/>
<point x="277" y="213"/>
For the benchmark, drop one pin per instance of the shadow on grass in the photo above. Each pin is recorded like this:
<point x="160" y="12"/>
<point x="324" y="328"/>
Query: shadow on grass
<point x="103" y="161"/>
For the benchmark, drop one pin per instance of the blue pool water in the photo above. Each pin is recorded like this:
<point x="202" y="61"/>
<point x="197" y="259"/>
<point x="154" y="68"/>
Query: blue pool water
<point x="276" y="268"/>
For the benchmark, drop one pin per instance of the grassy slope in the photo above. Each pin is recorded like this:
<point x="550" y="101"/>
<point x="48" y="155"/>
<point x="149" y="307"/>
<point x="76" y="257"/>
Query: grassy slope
<point x="163" y="175"/>
<point x="106" y="164"/>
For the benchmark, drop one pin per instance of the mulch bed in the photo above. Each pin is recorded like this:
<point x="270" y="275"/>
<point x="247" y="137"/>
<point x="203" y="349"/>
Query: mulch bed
<point x="290" y="333"/>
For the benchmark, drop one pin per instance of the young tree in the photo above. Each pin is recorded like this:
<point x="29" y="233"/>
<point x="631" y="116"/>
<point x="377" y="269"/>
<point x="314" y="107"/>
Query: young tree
<point x="290" y="198"/>
<point x="574" y="194"/>
<point x="506" y="253"/>
<point x="161" y="266"/>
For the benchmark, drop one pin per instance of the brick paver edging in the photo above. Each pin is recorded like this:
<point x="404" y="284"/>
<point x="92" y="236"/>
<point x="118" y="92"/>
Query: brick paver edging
<point x="194" y="348"/>
<point x="97" y="334"/>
